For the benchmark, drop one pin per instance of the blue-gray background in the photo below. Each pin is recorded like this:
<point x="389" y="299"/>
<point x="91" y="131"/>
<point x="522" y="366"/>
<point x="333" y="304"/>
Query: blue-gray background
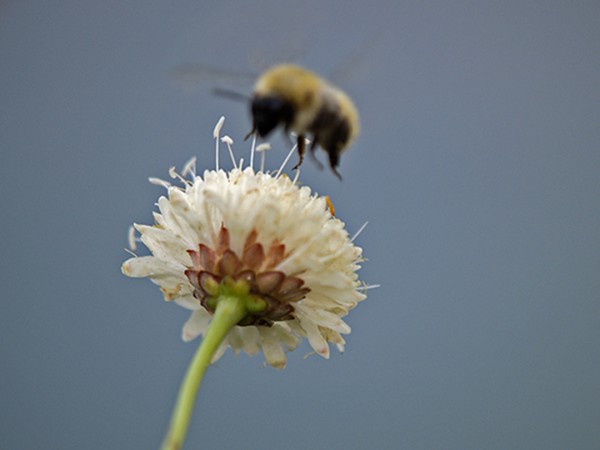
<point x="478" y="168"/>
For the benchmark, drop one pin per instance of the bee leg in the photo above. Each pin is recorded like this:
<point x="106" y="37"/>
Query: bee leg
<point x="301" y="147"/>
<point x="313" y="147"/>
<point x="250" y="133"/>
<point x="334" y="158"/>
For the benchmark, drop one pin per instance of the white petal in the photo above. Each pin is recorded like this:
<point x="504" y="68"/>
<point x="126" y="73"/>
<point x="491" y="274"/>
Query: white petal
<point x="188" y="220"/>
<point x="148" y="266"/>
<point x="164" y="244"/>
<point x="220" y="351"/>
<point x="326" y="319"/>
<point x="282" y="332"/>
<point x="315" y="339"/>
<point x="188" y="302"/>
<point x="272" y="349"/>
<point x="246" y="339"/>
<point x="195" y="325"/>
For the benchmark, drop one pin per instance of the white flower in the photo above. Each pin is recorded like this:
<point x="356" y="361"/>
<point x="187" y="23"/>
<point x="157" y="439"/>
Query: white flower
<point x="278" y="238"/>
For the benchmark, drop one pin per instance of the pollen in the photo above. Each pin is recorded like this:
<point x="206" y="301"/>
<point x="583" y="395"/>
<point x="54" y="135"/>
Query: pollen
<point x="330" y="205"/>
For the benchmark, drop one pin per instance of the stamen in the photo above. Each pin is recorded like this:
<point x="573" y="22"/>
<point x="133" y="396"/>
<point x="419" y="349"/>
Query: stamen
<point x="252" y="149"/>
<point x="366" y="287"/>
<point x="228" y="141"/>
<point x="285" y="161"/>
<point x="190" y="168"/>
<point x="173" y="174"/>
<point x="262" y="148"/>
<point x="131" y="239"/>
<point x="216" y="132"/>
<point x="296" y="176"/>
<point x="218" y="126"/>
<point x="158" y="182"/>
<point x="360" y="230"/>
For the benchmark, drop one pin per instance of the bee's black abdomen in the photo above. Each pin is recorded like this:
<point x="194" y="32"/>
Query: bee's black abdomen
<point x="338" y="138"/>
<point x="331" y="132"/>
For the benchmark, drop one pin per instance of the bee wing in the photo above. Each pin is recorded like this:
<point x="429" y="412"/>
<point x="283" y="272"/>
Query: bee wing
<point x="194" y="77"/>
<point x="355" y="65"/>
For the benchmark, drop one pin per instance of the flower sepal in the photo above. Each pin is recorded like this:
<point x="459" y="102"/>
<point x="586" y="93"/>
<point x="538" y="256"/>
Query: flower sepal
<point x="236" y="288"/>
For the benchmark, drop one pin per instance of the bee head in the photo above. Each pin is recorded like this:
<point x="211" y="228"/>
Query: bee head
<point x="268" y="112"/>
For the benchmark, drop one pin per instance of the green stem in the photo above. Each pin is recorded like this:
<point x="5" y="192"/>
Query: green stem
<point x="229" y="311"/>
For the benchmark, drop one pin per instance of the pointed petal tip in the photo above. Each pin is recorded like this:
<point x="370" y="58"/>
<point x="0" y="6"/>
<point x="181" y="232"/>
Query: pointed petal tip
<point x="278" y="364"/>
<point x="323" y="351"/>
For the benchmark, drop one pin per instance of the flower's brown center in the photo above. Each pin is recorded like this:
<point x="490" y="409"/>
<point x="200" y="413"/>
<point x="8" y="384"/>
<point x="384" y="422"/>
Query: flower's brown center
<point x="272" y="289"/>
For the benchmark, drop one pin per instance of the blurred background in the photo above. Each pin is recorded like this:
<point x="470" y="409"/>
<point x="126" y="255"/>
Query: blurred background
<point x="478" y="169"/>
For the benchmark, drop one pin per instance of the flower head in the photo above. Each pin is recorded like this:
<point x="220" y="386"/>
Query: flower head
<point x="262" y="234"/>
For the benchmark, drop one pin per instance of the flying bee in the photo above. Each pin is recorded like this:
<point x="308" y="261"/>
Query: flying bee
<point x="303" y="103"/>
<point x="290" y="97"/>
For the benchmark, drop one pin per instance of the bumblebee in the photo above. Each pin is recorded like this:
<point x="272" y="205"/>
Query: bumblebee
<point x="303" y="103"/>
